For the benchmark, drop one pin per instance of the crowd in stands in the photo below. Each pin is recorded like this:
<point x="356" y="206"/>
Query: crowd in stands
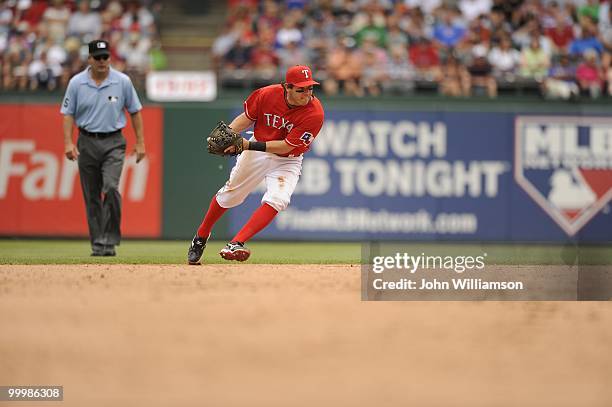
<point x="558" y="48"/>
<point x="44" y="43"/>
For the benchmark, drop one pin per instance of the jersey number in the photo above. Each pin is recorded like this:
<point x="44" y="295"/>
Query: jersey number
<point x="306" y="138"/>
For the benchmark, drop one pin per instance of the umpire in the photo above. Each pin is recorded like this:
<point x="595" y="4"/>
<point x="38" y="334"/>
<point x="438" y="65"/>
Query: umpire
<point x="94" y="100"/>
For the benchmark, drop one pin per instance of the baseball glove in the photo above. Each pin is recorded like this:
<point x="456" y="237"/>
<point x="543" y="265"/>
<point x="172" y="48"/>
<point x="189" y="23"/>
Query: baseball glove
<point x="222" y="137"/>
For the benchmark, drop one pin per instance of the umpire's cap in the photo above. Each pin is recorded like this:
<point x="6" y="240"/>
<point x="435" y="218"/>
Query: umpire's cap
<point x="98" y="47"/>
<point x="300" y="76"/>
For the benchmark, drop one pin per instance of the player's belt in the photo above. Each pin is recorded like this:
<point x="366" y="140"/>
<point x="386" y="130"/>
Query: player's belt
<point x="100" y="135"/>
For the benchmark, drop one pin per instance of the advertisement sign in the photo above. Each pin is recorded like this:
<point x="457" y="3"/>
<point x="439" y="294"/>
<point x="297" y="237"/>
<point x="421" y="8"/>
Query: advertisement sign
<point x="182" y="86"/>
<point x="40" y="193"/>
<point x="435" y="176"/>
<point x="565" y="165"/>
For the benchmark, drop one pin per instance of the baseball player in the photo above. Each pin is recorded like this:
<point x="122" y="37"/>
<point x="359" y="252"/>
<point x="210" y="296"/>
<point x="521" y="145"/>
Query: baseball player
<point x="287" y="119"/>
<point x="95" y="101"/>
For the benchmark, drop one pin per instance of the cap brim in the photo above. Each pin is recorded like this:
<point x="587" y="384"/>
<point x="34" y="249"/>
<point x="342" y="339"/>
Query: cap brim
<point x="100" y="52"/>
<point x="305" y="83"/>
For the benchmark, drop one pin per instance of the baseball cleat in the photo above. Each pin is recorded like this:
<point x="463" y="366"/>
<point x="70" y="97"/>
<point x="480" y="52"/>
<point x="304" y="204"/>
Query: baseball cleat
<point x="235" y="251"/>
<point x="101" y="250"/>
<point x="196" y="250"/>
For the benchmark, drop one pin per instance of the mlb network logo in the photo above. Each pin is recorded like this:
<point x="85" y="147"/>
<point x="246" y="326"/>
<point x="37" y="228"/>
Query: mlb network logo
<point x="565" y="165"/>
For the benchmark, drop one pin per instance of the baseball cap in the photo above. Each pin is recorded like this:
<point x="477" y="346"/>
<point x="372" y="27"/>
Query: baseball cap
<point x="300" y="76"/>
<point x="98" y="47"/>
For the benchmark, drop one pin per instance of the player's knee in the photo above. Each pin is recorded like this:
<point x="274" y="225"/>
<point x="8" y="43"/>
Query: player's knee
<point x="279" y="203"/>
<point x="110" y="187"/>
<point x="228" y="200"/>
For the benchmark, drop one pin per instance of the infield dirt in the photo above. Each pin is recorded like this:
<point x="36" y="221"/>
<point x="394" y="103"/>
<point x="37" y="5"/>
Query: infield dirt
<point x="287" y="335"/>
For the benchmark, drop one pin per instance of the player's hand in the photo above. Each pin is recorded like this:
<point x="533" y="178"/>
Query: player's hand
<point x="139" y="150"/>
<point x="232" y="149"/>
<point x="71" y="151"/>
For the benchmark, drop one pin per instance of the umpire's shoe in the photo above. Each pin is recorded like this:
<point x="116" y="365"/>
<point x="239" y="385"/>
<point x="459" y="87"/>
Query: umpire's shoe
<point x="196" y="250"/>
<point x="235" y="251"/>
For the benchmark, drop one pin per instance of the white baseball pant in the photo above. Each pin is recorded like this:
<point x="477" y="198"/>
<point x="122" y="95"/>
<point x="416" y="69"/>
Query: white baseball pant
<point x="280" y="173"/>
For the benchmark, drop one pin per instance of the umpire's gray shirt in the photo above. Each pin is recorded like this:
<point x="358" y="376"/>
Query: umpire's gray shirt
<point x="99" y="109"/>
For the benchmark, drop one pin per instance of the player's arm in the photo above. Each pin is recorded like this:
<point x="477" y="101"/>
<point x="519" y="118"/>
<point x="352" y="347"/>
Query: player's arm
<point x="274" y="147"/>
<point x="68" y="110"/>
<point x="137" y="124"/>
<point x="240" y="123"/>
<point x="69" y="148"/>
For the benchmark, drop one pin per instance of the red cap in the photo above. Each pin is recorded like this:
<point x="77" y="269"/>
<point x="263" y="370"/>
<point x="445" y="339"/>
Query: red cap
<point x="300" y="76"/>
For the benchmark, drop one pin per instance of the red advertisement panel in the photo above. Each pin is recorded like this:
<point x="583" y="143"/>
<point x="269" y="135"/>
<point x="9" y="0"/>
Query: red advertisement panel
<point x="40" y="193"/>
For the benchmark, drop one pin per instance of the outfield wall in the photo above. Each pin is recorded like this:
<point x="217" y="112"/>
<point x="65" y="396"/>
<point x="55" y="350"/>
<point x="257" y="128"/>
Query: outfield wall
<point x="416" y="169"/>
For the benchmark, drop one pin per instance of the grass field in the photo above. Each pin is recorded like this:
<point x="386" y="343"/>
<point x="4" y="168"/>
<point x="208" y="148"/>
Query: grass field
<point x="25" y="251"/>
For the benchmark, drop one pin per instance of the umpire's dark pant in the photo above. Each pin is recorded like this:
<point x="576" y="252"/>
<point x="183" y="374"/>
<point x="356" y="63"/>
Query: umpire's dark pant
<point x="101" y="161"/>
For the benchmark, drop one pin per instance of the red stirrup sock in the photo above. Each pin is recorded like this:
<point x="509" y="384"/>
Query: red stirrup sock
<point x="259" y="220"/>
<point x="212" y="216"/>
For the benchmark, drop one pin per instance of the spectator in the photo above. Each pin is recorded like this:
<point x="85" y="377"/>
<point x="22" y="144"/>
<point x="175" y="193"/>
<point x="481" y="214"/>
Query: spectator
<point x="320" y="36"/>
<point x="589" y="75"/>
<point x="134" y="50"/>
<point x="137" y="18"/>
<point x="588" y="40"/>
<point x="605" y="28"/>
<point x="472" y="9"/>
<point x="590" y="10"/>
<point x="158" y="58"/>
<point x="224" y="43"/>
<point x="500" y="27"/>
<point x="454" y="80"/>
<point x="56" y="17"/>
<point x="369" y="15"/>
<point x="270" y="17"/>
<point x="371" y="30"/>
<point x="31" y="12"/>
<point x="414" y="25"/>
<point x="6" y="20"/>
<point x="55" y="53"/>
<point x="504" y="59"/>
<point x="609" y="80"/>
<point x="428" y="6"/>
<point x="372" y="74"/>
<point x="395" y="35"/>
<point x="552" y="15"/>
<point x="240" y="55"/>
<point x="448" y="32"/>
<point x="291" y="55"/>
<point x="399" y="75"/>
<point x="561" y="35"/>
<point x="463" y="50"/>
<point x="43" y="75"/>
<point x="561" y="80"/>
<point x="84" y="23"/>
<point x="534" y="61"/>
<point x="289" y="32"/>
<point x="264" y="62"/>
<point x="480" y="73"/>
<point x="425" y="59"/>
<point x="343" y="69"/>
<point x="529" y="31"/>
<point x="479" y="28"/>
<point x="15" y="64"/>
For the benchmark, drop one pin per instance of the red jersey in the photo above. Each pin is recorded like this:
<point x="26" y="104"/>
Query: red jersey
<point x="275" y="120"/>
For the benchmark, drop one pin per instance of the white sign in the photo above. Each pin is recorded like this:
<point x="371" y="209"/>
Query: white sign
<point x="182" y="86"/>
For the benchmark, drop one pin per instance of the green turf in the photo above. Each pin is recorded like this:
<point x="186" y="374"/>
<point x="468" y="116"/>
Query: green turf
<point x="24" y="251"/>
<point x="171" y="252"/>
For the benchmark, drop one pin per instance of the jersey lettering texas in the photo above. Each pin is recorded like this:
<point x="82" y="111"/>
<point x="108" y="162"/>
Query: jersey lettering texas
<point x="277" y="122"/>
